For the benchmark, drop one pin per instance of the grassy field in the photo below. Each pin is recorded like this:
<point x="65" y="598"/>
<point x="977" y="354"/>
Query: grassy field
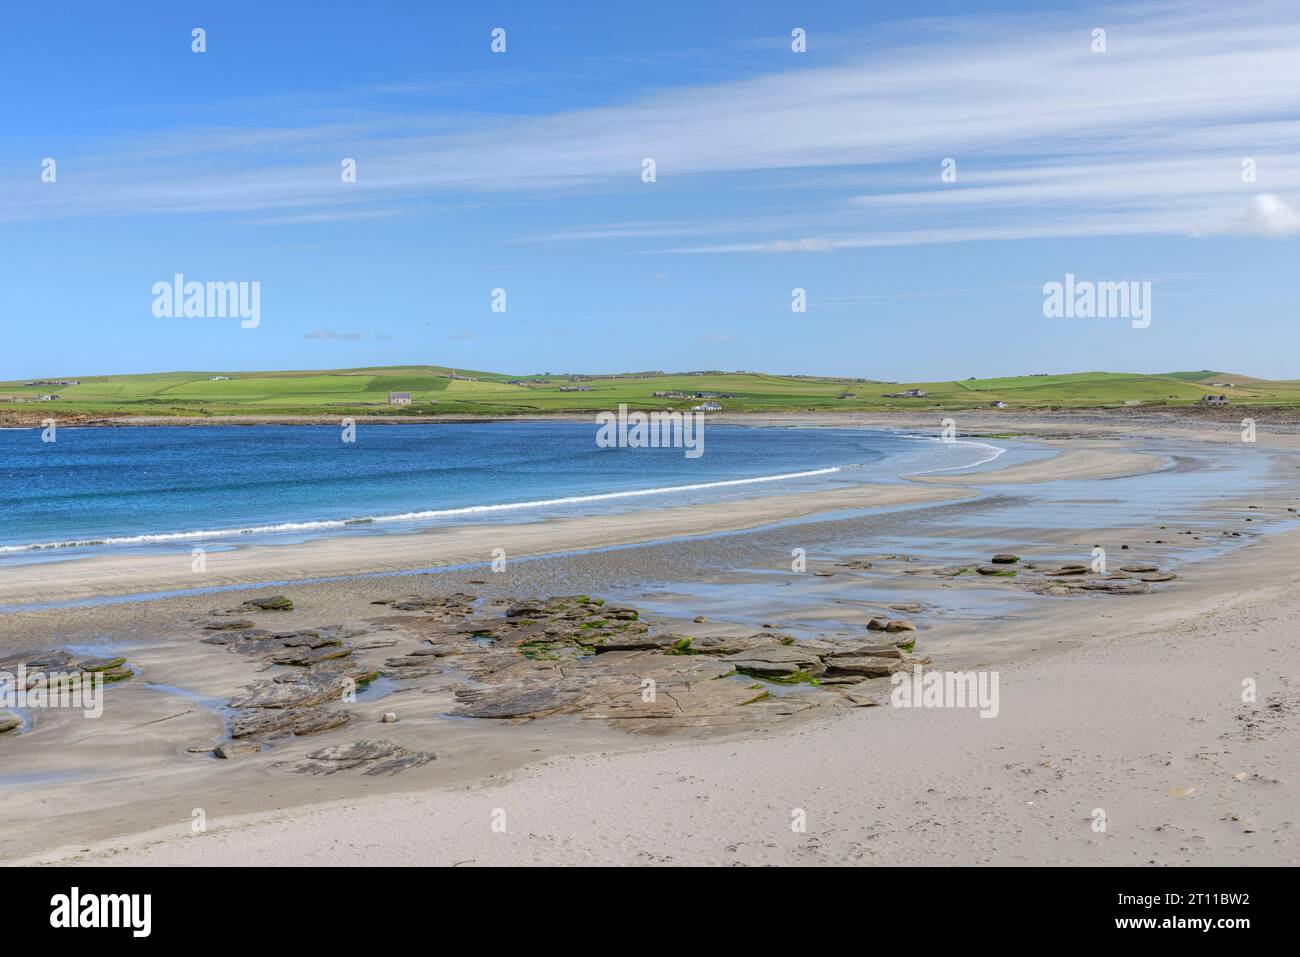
<point x="365" y="392"/>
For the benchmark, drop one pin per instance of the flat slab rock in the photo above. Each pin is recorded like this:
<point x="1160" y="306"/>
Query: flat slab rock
<point x="870" y="667"/>
<point x="377" y="757"/>
<point x="774" y="660"/>
<point x="236" y="749"/>
<point x="293" y="690"/>
<point x="274" y="722"/>
<point x="511" y="701"/>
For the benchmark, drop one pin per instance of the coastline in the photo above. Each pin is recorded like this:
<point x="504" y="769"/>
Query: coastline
<point x="880" y="785"/>
<point x="1041" y="420"/>
<point x="99" y="576"/>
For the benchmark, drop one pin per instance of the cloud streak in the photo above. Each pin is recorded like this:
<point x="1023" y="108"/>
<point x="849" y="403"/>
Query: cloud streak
<point x="1050" y="139"/>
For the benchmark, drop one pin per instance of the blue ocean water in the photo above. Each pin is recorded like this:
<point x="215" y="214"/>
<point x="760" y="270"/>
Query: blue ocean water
<point x="113" y="488"/>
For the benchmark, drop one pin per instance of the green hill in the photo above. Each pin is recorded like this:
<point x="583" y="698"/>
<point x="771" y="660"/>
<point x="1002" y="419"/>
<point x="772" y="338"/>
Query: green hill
<point x="437" y="389"/>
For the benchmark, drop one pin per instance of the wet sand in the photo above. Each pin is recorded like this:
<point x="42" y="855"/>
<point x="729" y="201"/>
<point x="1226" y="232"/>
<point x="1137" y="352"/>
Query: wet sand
<point x="138" y="574"/>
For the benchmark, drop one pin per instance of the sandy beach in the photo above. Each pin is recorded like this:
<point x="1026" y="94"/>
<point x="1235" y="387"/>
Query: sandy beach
<point x="1118" y="700"/>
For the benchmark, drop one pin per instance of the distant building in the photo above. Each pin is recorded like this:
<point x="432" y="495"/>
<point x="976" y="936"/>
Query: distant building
<point x="399" y="398"/>
<point x="848" y="395"/>
<point x="671" y="394"/>
<point x="55" y="382"/>
<point x="1214" y="400"/>
<point x="998" y="405"/>
<point x="48" y="398"/>
<point x="707" y="407"/>
<point x="909" y="394"/>
<point x="575" y="388"/>
<point x="218" y="378"/>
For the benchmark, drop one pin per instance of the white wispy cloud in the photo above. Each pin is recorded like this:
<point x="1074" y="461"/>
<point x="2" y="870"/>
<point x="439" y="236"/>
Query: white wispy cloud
<point x="1049" y="137"/>
<point x="331" y="334"/>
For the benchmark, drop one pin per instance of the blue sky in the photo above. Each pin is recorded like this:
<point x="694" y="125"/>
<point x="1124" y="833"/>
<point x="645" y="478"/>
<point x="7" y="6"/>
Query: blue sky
<point x="775" y="170"/>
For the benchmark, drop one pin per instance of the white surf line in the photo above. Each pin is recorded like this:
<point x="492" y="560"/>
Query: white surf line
<point x="408" y="516"/>
<point x="997" y="451"/>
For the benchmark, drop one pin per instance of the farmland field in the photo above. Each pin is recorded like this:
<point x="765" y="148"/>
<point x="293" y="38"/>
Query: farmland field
<point x="436" y="389"/>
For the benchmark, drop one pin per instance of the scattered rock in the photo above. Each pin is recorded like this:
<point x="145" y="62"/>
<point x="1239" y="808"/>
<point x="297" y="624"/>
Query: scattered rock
<point x="899" y="624"/>
<point x="1005" y="558"/>
<point x="236" y="624"/>
<point x="867" y="694"/>
<point x="1159" y="577"/>
<point x="274" y="722"/>
<point x="303" y="656"/>
<point x="274" y="603"/>
<point x="295" y="690"/>
<point x="372" y="643"/>
<point x="100" y="664"/>
<point x="389" y="717"/>
<point x="526" y="609"/>
<point x="636" y="642"/>
<point x="867" y="666"/>
<point x="857" y="651"/>
<point x="1068" y="570"/>
<point x="534" y="701"/>
<point x="1139" y="567"/>
<point x="730" y="645"/>
<point x="782" y="660"/>
<point x="382" y="757"/>
<point x="9" y="721"/>
<point x="236" y="749"/>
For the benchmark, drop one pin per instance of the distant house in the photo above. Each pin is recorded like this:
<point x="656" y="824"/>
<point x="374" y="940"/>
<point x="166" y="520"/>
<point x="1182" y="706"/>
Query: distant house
<point x="998" y="405"/>
<point x="670" y="394"/>
<point x="399" y="398"/>
<point x="707" y="407"/>
<point x="909" y="394"/>
<point x="848" y="395"/>
<point x="48" y="398"/>
<point x="575" y="388"/>
<point x="1214" y="400"/>
<point x="218" y="378"/>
